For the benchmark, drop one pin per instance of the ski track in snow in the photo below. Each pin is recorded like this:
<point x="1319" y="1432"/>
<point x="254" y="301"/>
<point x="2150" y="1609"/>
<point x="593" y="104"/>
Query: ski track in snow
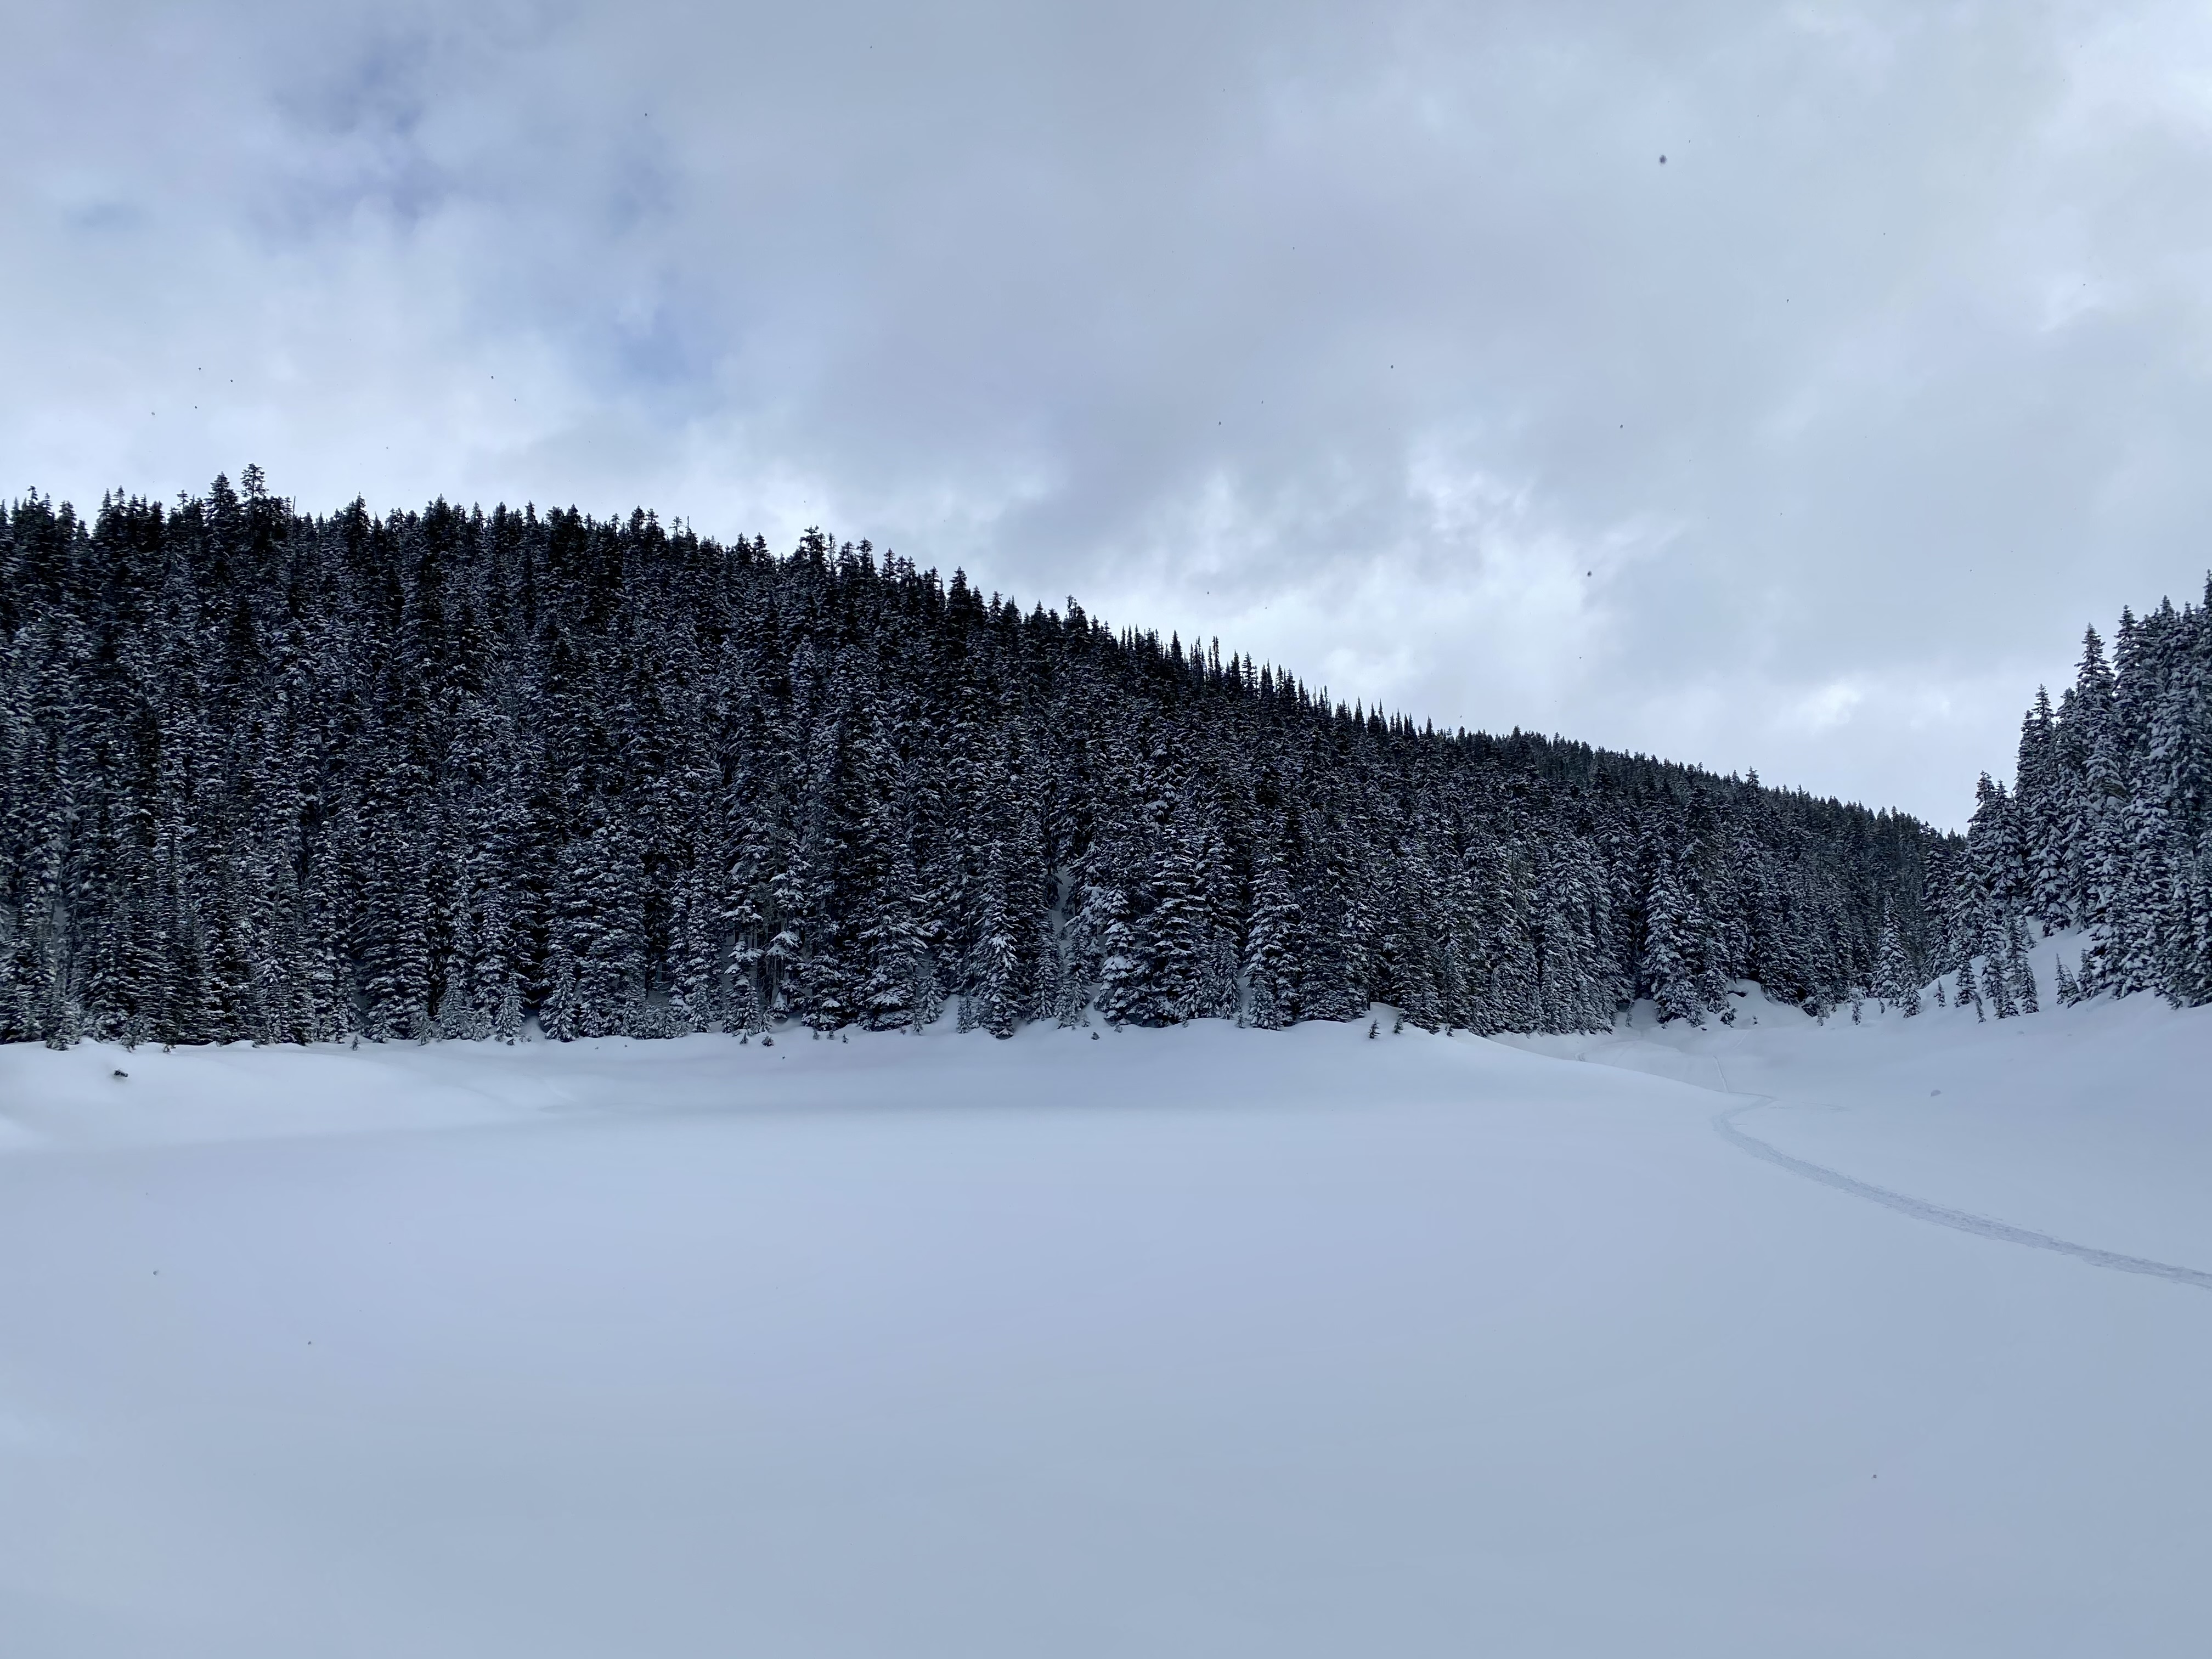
<point x="1981" y="1226"/>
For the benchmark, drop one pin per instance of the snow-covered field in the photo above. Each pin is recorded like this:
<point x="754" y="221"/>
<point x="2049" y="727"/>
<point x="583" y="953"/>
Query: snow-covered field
<point x="1196" y="1342"/>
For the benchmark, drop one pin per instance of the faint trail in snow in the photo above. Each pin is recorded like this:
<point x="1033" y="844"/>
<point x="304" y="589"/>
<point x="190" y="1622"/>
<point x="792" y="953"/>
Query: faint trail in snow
<point x="1981" y="1226"/>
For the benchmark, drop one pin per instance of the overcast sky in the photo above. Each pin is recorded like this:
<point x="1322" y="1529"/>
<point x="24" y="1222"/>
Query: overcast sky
<point x="1377" y="340"/>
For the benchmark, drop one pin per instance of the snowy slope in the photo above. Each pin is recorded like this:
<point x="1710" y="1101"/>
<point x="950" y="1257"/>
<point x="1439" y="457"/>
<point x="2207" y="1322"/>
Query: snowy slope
<point x="2093" y="1123"/>
<point x="1191" y="1342"/>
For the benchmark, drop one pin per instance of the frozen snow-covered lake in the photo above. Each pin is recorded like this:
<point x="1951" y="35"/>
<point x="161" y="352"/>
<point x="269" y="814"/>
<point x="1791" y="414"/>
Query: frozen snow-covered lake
<point x="1197" y="1342"/>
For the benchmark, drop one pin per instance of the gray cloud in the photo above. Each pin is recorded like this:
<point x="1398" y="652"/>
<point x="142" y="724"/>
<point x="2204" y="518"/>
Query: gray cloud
<point x="1376" y="339"/>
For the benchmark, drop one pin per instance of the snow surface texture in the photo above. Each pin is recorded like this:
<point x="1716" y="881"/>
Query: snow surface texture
<point x="1187" y="1342"/>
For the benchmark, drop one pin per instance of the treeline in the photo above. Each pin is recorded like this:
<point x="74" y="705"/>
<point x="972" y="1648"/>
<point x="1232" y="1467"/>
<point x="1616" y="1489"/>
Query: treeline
<point x="284" y="778"/>
<point x="2107" y="827"/>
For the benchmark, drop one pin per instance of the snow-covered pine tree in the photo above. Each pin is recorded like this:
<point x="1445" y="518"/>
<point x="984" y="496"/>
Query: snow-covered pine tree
<point x="1893" y="982"/>
<point x="1671" y="972"/>
<point x="2020" y="968"/>
<point x="1271" y="940"/>
<point x="1997" y="978"/>
<point x="996" y="994"/>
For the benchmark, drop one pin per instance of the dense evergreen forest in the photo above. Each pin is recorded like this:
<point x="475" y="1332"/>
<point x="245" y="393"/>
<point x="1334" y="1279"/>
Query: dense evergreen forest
<point x="2108" y="826"/>
<point x="285" y="778"/>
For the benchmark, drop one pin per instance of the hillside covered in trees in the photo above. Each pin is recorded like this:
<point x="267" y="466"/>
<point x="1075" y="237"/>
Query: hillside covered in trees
<point x="285" y="778"/>
<point x="2108" y="826"/>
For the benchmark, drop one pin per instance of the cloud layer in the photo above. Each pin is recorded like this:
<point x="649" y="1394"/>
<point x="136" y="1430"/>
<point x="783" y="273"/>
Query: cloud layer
<point x="1377" y="340"/>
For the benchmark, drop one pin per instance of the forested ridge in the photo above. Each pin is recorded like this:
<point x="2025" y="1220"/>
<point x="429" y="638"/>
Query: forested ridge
<point x="284" y="778"/>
